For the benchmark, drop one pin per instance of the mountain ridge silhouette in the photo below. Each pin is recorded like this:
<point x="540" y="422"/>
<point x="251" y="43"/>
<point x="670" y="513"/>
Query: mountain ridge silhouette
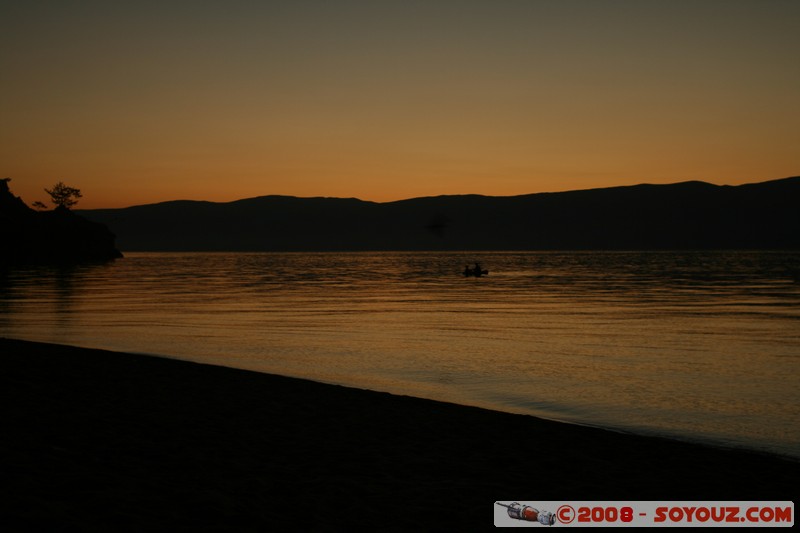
<point x="684" y="215"/>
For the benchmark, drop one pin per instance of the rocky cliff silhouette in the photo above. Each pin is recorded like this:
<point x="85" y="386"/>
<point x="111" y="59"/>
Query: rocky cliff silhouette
<point x="689" y="215"/>
<point x="58" y="236"/>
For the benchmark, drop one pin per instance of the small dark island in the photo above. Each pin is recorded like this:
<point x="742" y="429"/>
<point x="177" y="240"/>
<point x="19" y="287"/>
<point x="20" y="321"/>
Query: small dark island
<point x="50" y="237"/>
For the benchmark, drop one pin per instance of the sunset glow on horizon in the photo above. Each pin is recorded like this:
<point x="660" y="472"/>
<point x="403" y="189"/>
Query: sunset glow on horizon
<point x="143" y="102"/>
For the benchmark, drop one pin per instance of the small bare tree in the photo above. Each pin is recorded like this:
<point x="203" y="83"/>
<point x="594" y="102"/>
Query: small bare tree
<point x="64" y="196"/>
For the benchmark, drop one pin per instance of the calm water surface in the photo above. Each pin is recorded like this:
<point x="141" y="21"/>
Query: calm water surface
<point x="699" y="346"/>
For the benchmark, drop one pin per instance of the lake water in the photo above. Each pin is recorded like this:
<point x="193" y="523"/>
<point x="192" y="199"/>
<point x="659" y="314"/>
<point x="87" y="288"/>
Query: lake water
<point x="698" y="346"/>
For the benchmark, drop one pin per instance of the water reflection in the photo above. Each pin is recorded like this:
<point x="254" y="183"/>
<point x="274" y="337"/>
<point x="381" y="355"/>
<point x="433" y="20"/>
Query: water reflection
<point x="50" y="292"/>
<point x="694" y="343"/>
<point x="7" y="296"/>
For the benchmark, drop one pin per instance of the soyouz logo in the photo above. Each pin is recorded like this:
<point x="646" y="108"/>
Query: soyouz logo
<point x="646" y="514"/>
<point x="528" y="513"/>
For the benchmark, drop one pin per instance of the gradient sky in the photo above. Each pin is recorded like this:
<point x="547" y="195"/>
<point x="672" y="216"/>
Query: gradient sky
<point x="147" y="101"/>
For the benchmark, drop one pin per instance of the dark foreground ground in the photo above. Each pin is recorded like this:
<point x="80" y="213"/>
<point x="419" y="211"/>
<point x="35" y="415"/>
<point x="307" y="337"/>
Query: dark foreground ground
<point x="96" y="440"/>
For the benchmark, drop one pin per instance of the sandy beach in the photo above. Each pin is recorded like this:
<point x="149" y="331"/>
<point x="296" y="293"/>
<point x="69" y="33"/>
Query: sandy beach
<point x="97" y="440"/>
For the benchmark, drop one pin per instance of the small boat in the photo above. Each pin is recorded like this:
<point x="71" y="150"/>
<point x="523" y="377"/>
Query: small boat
<point x="475" y="272"/>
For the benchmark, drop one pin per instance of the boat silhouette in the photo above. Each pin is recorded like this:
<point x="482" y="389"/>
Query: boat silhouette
<point x="475" y="272"/>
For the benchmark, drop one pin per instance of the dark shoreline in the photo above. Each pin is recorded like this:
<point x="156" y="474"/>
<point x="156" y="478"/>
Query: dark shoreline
<point x="102" y="440"/>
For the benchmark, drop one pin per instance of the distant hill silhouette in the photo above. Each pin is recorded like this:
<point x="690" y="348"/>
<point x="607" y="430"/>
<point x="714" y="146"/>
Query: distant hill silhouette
<point x="58" y="236"/>
<point x="689" y="215"/>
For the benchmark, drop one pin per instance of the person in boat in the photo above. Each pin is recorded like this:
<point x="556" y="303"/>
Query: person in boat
<point x="477" y="271"/>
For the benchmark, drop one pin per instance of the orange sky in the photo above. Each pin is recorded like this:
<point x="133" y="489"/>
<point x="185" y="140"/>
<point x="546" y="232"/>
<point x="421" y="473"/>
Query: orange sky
<point x="135" y="102"/>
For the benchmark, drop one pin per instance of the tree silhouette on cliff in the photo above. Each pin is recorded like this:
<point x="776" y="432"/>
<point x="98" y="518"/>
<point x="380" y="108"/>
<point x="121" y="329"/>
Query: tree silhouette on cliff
<point x="63" y="196"/>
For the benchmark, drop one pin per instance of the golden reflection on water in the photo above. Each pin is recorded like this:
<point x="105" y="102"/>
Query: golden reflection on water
<point x="703" y="346"/>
